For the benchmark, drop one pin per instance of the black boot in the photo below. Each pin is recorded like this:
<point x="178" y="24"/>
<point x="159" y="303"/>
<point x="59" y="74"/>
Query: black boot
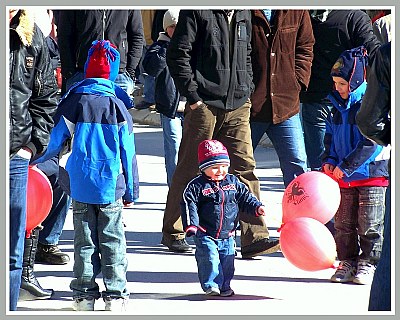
<point x="30" y="288"/>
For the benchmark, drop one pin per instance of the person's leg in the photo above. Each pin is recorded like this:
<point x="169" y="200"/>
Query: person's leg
<point x="172" y="134"/>
<point x="380" y="294"/>
<point x="86" y="253"/>
<point x="208" y="264"/>
<point x="198" y="125"/>
<point x="233" y="130"/>
<point x="125" y="82"/>
<point x="313" y="118"/>
<point x="288" y="140"/>
<point x="18" y="177"/>
<point x="257" y="131"/>
<point x="227" y="258"/>
<point x="112" y="246"/>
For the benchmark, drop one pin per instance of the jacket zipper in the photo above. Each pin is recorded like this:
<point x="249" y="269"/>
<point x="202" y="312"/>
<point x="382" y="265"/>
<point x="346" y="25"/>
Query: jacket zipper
<point x="221" y="216"/>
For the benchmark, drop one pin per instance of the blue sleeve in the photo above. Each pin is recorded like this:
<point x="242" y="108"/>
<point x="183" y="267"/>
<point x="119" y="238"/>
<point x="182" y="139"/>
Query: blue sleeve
<point x="329" y="155"/>
<point x="189" y="208"/>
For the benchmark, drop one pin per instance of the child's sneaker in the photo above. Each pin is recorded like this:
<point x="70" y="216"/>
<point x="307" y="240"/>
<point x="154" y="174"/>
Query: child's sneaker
<point x="83" y="304"/>
<point x="227" y="293"/>
<point x="213" y="291"/>
<point x="115" y="304"/>
<point x="365" y="272"/>
<point x="345" y="272"/>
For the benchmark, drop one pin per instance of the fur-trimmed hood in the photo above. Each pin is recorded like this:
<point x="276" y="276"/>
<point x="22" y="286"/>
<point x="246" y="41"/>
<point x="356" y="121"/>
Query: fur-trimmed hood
<point x="25" y="26"/>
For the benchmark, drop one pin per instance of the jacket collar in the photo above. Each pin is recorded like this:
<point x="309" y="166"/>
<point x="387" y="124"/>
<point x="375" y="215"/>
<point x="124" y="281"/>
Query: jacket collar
<point x="24" y="24"/>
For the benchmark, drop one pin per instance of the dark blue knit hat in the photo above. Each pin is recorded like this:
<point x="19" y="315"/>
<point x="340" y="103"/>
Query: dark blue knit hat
<point x="351" y="66"/>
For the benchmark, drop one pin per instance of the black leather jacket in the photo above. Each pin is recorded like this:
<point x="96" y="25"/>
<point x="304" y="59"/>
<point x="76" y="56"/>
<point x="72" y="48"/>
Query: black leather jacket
<point x="373" y="118"/>
<point x="33" y="86"/>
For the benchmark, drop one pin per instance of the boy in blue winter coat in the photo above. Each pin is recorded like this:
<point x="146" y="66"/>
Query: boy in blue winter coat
<point x="361" y="168"/>
<point x="103" y="176"/>
<point x="210" y="208"/>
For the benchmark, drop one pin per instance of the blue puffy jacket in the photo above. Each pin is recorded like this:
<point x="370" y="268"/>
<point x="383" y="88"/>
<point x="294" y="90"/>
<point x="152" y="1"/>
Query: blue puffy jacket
<point x="102" y="166"/>
<point x="213" y="206"/>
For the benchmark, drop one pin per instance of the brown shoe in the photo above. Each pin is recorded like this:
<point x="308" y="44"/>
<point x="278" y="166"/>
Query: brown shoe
<point x="263" y="246"/>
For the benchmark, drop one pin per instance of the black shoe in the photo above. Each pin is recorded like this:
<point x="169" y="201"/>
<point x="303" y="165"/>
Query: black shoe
<point x="50" y="254"/>
<point x="177" y="245"/>
<point x="263" y="246"/>
<point x="142" y="105"/>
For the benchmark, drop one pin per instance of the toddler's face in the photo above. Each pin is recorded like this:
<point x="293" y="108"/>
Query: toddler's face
<point x="341" y="86"/>
<point x="217" y="172"/>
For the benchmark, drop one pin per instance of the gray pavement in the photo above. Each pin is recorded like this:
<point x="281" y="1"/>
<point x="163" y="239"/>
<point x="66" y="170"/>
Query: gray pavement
<point x="165" y="283"/>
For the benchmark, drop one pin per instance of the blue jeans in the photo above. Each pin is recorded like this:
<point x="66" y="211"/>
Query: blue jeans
<point x="123" y="80"/>
<point x="314" y="117"/>
<point x="287" y="138"/>
<point x="99" y="246"/>
<point x="215" y="261"/>
<point x="380" y="295"/>
<point x="18" y="177"/>
<point x="359" y="223"/>
<point x="172" y="134"/>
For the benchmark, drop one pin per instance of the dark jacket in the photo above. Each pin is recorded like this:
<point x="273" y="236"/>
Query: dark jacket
<point x="213" y="207"/>
<point x="281" y="58"/>
<point x="154" y="63"/>
<point x="32" y="87"/>
<point x="77" y="29"/>
<point x="342" y="30"/>
<point x="373" y="118"/>
<point x="209" y="60"/>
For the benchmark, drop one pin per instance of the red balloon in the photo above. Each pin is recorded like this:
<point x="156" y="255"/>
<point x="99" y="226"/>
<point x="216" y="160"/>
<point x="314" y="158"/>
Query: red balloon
<point x="39" y="198"/>
<point x="312" y="194"/>
<point x="308" y="244"/>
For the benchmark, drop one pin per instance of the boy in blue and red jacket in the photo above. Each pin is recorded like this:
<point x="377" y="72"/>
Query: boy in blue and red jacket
<point x="361" y="168"/>
<point x="210" y="208"/>
<point x="103" y="176"/>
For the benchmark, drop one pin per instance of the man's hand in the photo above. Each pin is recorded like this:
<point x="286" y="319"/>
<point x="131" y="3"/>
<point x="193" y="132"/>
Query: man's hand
<point x="196" y="105"/>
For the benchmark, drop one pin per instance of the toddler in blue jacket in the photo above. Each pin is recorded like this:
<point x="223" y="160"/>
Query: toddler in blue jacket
<point x="210" y="207"/>
<point x="103" y="176"/>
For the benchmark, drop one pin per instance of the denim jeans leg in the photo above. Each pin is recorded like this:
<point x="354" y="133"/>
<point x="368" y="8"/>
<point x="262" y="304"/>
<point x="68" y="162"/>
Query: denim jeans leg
<point x="18" y="177"/>
<point x="288" y="140"/>
<point x="112" y="246"/>
<point x="149" y="88"/>
<point x="257" y="131"/>
<point x="380" y="295"/>
<point x="208" y="263"/>
<point x="54" y="223"/>
<point x="227" y="258"/>
<point x="370" y="222"/>
<point x="313" y="119"/>
<point x="125" y="82"/>
<point x="87" y="263"/>
<point x="172" y="134"/>
<point x="346" y="218"/>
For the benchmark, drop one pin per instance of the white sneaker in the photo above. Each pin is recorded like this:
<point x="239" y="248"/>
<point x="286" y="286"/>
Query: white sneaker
<point x="345" y="272"/>
<point x="365" y="272"/>
<point x="116" y="304"/>
<point x="83" y="304"/>
<point x="213" y="291"/>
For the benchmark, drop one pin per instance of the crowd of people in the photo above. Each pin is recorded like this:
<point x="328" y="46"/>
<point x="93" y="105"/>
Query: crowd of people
<point x="220" y="80"/>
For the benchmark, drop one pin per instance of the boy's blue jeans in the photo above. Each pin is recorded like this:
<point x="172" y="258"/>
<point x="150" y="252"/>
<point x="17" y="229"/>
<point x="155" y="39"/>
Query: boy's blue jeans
<point x="99" y="246"/>
<point x="359" y="223"/>
<point x="215" y="261"/>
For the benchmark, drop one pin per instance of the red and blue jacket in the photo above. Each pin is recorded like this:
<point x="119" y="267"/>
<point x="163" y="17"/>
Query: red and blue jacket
<point x="213" y="206"/>
<point x="102" y="165"/>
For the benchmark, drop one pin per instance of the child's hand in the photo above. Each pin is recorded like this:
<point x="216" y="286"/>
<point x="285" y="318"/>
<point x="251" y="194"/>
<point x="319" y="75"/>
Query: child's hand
<point x="128" y="204"/>
<point x="261" y="211"/>
<point x="328" y="168"/>
<point x="338" y="173"/>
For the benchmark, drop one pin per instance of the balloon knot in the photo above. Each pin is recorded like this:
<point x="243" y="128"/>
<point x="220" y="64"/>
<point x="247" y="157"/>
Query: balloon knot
<point x="279" y="229"/>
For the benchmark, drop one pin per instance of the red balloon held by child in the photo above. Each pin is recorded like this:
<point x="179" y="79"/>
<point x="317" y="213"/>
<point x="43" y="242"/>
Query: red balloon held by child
<point x="39" y="198"/>
<point x="312" y="194"/>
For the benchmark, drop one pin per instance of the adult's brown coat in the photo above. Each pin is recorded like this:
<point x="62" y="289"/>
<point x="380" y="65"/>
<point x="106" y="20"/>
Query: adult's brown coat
<point x="281" y="59"/>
